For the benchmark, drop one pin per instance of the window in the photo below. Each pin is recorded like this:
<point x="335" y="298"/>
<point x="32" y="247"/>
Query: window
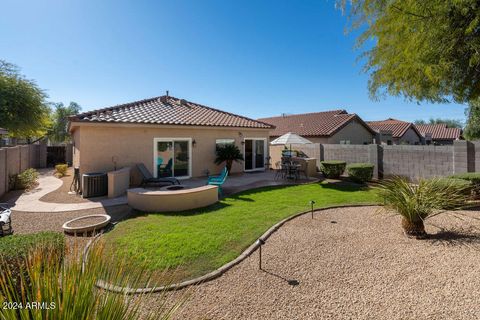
<point x="344" y="141"/>
<point x="222" y="142"/>
<point x="389" y="142"/>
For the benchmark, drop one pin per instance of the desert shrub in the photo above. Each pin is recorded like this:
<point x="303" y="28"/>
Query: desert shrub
<point x="465" y="185"/>
<point x="360" y="172"/>
<point x="61" y="170"/>
<point x="69" y="288"/>
<point x="15" y="249"/>
<point x="473" y="178"/>
<point x="25" y="180"/>
<point x="332" y="169"/>
<point x="416" y="202"/>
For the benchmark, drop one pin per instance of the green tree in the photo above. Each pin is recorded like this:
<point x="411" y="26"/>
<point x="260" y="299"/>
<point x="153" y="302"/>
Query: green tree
<point x="451" y="123"/>
<point x="59" y="129"/>
<point x="23" y="109"/>
<point x="472" y="129"/>
<point x="422" y="50"/>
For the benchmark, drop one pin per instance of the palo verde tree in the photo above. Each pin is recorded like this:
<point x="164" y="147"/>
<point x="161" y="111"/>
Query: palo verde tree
<point x="59" y="129"/>
<point x="450" y="123"/>
<point x="421" y="50"/>
<point x="23" y="109"/>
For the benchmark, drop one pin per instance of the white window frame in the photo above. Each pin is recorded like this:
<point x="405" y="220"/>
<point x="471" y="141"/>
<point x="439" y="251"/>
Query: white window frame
<point x="155" y="150"/>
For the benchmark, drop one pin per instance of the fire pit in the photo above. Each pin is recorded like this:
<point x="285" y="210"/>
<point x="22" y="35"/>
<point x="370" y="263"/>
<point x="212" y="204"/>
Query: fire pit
<point x="86" y="224"/>
<point x="173" y="188"/>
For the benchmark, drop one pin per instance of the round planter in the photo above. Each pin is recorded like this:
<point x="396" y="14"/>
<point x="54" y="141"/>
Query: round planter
<point x="87" y="227"/>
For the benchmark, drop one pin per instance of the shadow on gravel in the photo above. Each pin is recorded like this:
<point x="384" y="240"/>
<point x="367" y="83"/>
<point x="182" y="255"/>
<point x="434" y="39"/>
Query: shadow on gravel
<point x="454" y="238"/>
<point x="291" y="282"/>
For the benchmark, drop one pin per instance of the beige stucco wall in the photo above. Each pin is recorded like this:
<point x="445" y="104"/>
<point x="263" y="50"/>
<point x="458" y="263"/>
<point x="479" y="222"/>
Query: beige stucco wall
<point x="410" y="137"/>
<point x="96" y="144"/>
<point x="353" y="131"/>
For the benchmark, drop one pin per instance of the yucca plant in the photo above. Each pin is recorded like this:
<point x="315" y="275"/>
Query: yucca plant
<point x="417" y="202"/>
<point x="66" y="290"/>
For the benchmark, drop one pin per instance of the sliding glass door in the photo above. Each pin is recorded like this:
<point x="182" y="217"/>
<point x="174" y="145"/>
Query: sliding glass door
<point x="172" y="157"/>
<point x="255" y="153"/>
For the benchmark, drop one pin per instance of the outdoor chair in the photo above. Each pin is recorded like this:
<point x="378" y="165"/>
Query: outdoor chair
<point x="218" y="180"/>
<point x="5" y="220"/>
<point x="302" y="169"/>
<point x="148" y="179"/>
<point x="165" y="170"/>
<point x="279" y="170"/>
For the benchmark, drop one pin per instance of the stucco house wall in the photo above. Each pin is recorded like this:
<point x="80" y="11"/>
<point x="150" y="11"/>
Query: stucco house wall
<point x="354" y="132"/>
<point x="95" y="145"/>
<point x="409" y="137"/>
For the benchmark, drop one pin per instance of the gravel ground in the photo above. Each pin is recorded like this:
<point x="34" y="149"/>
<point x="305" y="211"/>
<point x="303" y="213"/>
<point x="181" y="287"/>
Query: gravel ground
<point x="61" y="194"/>
<point x="350" y="263"/>
<point x="30" y="222"/>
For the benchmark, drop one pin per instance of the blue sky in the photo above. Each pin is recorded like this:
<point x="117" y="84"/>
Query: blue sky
<point x="255" y="58"/>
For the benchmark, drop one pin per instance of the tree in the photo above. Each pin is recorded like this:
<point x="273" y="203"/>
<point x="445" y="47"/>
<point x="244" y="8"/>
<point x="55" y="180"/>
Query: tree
<point x="422" y="50"/>
<point x="59" y="130"/>
<point x="472" y="129"/>
<point x="23" y="109"/>
<point x="228" y="153"/>
<point x="451" y="123"/>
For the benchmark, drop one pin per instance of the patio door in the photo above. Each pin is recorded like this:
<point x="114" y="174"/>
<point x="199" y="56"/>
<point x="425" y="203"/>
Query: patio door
<point x="172" y="157"/>
<point x="254" y="153"/>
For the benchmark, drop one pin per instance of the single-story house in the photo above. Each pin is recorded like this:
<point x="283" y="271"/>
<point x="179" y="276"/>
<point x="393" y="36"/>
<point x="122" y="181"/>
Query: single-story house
<point x="327" y="127"/>
<point x="393" y="131"/>
<point x="439" y="134"/>
<point x="171" y="136"/>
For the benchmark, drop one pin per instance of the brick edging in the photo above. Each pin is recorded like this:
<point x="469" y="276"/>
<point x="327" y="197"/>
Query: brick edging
<point x="216" y="273"/>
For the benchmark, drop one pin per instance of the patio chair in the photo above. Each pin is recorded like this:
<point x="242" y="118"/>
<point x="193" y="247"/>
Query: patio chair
<point x="279" y="170"/>
<point x="165" y="170"/>
<point x="148" y="179"/>
<point x="218" y="180"/>
<point x="5" y="220"/>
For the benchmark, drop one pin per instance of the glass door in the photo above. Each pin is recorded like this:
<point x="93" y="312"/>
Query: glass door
<point x="254" y="154"/>
<point x="172" y="157"/>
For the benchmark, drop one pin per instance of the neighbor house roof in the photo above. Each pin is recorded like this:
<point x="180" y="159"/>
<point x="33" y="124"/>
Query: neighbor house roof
<point x="324" y="123"/>
<point x="440" y="131"/>
<point x="397" y="127"/>
<point x="170" y="111"/>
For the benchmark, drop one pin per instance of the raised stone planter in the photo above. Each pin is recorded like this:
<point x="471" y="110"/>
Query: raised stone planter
<point x="86" y="224"/>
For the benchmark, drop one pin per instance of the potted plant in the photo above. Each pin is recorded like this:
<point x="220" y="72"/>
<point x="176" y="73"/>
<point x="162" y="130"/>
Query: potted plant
<point x="417" y="202"/>
<point x="228" y="153"/>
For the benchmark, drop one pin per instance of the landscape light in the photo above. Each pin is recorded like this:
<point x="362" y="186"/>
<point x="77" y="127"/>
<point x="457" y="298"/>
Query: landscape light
<point x="312" y="203"/>
<point x="260" y="243"/>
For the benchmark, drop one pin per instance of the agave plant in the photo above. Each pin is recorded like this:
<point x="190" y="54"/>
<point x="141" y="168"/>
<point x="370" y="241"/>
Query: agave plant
<point x="417" y="202"/>
<point x="228" y="153"/>
<point x="52" y="289"/>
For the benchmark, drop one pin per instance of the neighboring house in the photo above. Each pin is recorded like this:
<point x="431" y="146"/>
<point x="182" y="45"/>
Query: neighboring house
<point x="439" y="134"/>
<point x="172" y="137"/>
<point x="393" y="131"/>
<point x="328" y="127"/>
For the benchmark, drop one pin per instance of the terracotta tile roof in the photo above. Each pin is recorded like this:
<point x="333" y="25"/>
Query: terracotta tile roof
<point x="440" y="131"/>
<point x="397" y="127"/>
<point x="168" y="110"/>
<point x="323" y="123"/>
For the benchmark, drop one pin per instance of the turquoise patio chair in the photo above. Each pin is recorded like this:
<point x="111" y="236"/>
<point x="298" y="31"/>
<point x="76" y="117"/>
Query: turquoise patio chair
<point x="218" y="180"/>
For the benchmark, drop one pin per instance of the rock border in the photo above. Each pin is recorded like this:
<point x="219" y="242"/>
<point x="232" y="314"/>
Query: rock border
<point x="218" y="272"/>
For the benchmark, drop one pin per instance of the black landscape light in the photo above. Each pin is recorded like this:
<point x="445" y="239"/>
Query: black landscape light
<point x="260" y="243"/>
<point x="312" y="203"/>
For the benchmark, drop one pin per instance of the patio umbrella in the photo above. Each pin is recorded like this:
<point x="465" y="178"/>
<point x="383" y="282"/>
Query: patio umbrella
<point x="289" y="139"/>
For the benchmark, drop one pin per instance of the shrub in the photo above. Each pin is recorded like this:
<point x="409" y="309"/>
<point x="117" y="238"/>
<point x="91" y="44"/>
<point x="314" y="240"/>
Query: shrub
<point x="360" y="172"/>
<point x="332" y="169"/>
<point x="14" y="250"/>
<point x="473" y="178"/>
<point x="25" y="180"/>
<point x="416" y="202"/>
<point x="228" y="153"/>
<point x="69" y="289"/>
<point x="61" y="170"/>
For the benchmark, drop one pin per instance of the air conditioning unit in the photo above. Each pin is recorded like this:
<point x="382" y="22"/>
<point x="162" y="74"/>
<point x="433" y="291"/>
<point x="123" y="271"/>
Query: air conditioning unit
<point x="94" y="184"/>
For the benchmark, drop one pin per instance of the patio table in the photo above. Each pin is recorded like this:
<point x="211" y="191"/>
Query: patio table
<point x="291" y="170"/>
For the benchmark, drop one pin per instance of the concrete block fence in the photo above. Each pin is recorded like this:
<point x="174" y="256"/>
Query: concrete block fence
<point x="413" y="161"/>
<point x="14" y="160"/>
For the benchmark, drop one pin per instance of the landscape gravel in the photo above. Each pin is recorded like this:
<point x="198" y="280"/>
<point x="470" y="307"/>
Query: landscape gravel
<point x="349" y="263"/>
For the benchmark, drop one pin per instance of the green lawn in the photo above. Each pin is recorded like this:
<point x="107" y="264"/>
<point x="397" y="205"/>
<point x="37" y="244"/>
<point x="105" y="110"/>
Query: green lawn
<point x="195" y="242"/>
